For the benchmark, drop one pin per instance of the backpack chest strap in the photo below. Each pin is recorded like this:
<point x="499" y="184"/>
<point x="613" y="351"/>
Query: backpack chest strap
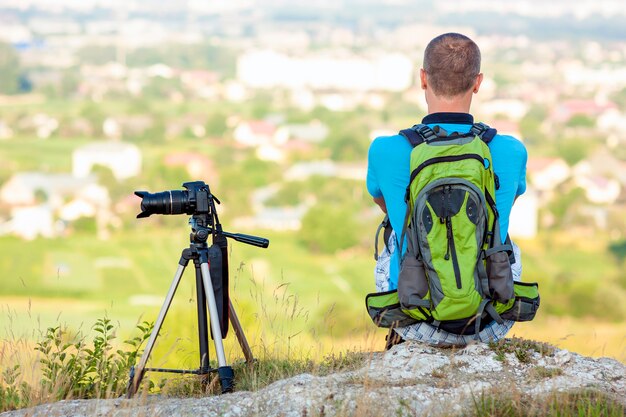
<point x="421" y="133"/>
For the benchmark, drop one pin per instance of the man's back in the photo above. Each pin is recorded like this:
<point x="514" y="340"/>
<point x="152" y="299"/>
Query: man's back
<point x="388" y="173"/>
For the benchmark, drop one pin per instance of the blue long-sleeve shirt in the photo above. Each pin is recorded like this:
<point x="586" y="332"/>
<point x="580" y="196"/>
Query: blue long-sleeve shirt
<point x="388" y="172"/>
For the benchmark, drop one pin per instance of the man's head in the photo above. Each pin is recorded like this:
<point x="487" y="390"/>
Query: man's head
<point x="451" y="66"/>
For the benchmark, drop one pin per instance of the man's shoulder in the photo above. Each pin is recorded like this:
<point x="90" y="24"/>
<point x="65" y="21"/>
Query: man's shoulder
<point x="388" y="138"/>
<point x="511" y="143"/>
<point x="396" y="141"/>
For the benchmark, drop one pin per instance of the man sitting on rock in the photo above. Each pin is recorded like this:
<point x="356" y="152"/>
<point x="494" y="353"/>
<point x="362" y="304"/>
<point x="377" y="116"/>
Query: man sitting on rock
<point x="450" y="77"/>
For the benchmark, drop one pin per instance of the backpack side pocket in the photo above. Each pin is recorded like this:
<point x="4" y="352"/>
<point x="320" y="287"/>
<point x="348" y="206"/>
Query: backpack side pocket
<point x="525" y="304"/>
<point x="385" y="311"/>
<point x="499" y="275"/>
<point x="412" y="283"/>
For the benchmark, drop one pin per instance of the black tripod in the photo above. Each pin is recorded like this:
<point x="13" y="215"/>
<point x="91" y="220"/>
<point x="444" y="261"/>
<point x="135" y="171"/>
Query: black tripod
<point x="211" y="266"/>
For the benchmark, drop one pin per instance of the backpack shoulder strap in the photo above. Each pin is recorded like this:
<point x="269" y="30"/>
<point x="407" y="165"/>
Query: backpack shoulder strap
<point x="418" y="134"/>
<point x="484" y="132"/>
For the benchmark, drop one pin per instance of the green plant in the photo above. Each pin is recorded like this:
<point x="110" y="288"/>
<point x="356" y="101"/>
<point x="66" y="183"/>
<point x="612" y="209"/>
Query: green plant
<point x="499" y="404"/>
<point x="541" y="372"/>
<point x="522" y="348"/>
<point x="73" y="369"/>
<point x="14" y="393"/>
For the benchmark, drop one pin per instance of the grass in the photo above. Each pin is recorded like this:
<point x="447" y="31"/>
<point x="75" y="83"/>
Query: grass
<point x="69" y="366"/>
<point x="542" y="372"/>
<point x="587" y="403"/>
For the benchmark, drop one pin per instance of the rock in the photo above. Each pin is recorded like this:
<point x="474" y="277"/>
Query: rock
<point x="411" y="378"/>
<point x="562" y="357"/>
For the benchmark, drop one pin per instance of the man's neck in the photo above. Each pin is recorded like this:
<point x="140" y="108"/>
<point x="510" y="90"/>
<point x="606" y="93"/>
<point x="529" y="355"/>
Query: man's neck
<point x="447" y="108"/>
<point x="454" y="105"/>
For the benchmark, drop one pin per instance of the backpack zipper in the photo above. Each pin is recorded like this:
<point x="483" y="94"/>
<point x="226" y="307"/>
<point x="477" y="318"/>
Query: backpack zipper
<point x="447" y="158"/>
<point x="451" y="249"/>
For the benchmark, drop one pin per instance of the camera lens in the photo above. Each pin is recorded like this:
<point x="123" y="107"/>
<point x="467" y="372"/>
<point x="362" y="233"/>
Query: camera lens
<point x="165" y="202"/>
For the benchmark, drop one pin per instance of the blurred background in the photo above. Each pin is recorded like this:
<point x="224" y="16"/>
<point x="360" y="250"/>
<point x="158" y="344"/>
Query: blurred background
<point x="274" y="103"/>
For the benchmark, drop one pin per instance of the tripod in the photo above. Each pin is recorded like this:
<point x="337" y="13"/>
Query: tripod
<point x="212" y="292"/>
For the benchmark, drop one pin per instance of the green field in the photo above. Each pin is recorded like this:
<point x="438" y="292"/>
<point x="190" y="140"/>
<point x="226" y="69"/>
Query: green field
<point x="287" y="298"/>
<point x="284" y="296"/>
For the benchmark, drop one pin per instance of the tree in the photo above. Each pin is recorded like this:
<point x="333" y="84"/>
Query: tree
<point x="329" y="228"/>
<point x="216" y="125"/>
<point x="581" y="120"/>
<point x="530" y="125"/>
<point x="9" y="70"/>
<point x="574" y="150"/>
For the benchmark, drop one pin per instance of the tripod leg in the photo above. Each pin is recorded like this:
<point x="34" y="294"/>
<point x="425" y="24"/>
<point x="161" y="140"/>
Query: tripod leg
<point x="225" y="372"/>
<point x="138" y="371"/>
<point x="203" y="332"/>
<point x="241" y="337"/>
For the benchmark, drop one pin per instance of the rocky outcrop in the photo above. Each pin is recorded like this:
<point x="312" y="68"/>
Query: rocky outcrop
<point x="410" y="379"/>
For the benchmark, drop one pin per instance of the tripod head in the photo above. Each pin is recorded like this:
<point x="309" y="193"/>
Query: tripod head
<point x="198" y="201"/>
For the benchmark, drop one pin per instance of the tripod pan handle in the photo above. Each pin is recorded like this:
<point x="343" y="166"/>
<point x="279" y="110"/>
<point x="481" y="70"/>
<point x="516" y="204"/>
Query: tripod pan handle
<point x="249" y="239"/>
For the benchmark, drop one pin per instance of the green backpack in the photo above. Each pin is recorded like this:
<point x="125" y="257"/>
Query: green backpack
<point x="456" y="272"/>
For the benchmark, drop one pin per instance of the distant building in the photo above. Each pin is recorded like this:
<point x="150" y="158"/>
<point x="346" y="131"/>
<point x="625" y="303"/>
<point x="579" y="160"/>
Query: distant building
<point x="547" y="173"/>
<point x="512" y="109"/>
<point x="304" y="170"/>
<point x="590" y="108"/>
<point x="41" y="124"/>
<point x="38" y="201"/>
<point x="506" y="127"/>
<point x="314" y="132"/>
<point x="122" y="126"/>
<point x="321" y="71"/>
<point x="197" y="165"/>
<point x="523" y="221"/>
<point x="382" y="132"/>
<point x="599" y="189"/>
<point x="279" y="218"/>
<point x="123" y="159"/>
<point x="29" y="188"/>
<point x="30" y="223"/>
<point x="201" y="83"/>
<point x="5" y="131"/>
<point x="602" y="162"/>
<point x="254" y="133"/>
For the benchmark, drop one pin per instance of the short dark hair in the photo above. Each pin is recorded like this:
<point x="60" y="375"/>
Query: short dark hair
<point x="452" y="62"/>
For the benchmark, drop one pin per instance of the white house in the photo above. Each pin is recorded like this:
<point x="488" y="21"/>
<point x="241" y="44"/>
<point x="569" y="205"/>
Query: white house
<point x="304" y="170"/>
<point x="37" y="200"/>
<point x="546" y="173"/>
<point x="5" y="131"/>
<point x="513" y="109"/>
<point x="599" y="189"/>
<point x="523" y="221"/>
<point x="22" y="188"/>
<point x="30" y="222"/>
<point x="313" y="132"/>
<point x="602" y="162"/>
<point x="255" y="133"/>
<point x="124" y="159"/>
<point x="326" y="70"/>
<point x="507" y="127"/>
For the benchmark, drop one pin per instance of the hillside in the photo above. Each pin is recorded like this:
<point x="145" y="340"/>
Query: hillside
<point x="526" y="378"/>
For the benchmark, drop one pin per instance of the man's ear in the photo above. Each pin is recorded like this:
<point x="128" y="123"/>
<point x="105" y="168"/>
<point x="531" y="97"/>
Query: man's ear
<point x="423" y="78"/>
<point x="479" y="80"/>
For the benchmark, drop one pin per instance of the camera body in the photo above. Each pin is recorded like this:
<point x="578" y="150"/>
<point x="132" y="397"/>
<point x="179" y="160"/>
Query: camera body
<point x="195" y="200"/>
